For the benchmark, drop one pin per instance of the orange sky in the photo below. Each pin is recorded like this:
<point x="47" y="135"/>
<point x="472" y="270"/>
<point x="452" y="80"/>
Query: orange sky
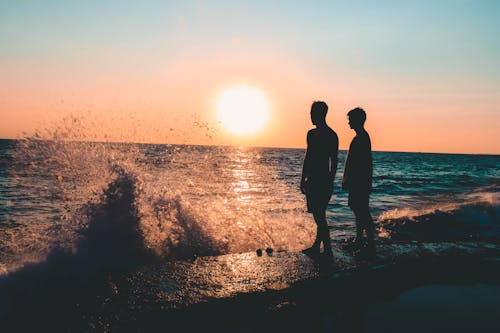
<point x="126" y="91"/>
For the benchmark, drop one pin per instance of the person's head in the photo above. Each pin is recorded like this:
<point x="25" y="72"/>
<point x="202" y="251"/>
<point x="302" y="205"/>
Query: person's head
<point x="357" y="118"/>
<point x="318" y="112"/>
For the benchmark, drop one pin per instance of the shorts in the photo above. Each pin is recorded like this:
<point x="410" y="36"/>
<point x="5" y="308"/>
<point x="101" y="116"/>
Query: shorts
<point x="318" y="196"/>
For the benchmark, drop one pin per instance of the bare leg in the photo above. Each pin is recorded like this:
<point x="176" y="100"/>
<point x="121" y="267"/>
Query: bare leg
<point x="314" y="250"/>
<point x="364" y="222"/>
<point x="359" y="226"/>
<point x="368" y="225"/>
<point x="323" y="233"/>
<point x="317" y="241"/>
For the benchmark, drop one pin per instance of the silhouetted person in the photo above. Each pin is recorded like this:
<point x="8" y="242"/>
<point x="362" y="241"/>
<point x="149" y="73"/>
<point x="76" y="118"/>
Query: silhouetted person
<point x="358" y="176"/>
<point x="318" y="173"/>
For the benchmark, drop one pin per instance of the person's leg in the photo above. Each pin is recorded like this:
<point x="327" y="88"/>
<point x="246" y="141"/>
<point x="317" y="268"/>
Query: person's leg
<point x="354" y="205"/>
<point x="323" y="233"/>
<point x="358" y="215"/>
<point x="317" y="242"/>
<point x="311" y="207"/>
<point x="368" y="225"/>
<point x="314" y="250"/>
<point x="366" y="222"/>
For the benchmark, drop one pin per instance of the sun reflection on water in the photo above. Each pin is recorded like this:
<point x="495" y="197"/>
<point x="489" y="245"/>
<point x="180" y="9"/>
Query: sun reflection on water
<point x="243" y="171"/>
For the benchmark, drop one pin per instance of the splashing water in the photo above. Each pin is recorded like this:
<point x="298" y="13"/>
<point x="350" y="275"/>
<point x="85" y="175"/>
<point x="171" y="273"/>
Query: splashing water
<point x="476" y="216"/>
<point x="123" y="200"/>
<point x="113" y="203"/>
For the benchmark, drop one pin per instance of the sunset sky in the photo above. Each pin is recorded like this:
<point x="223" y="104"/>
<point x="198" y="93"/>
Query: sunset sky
<point x="426" y="72"/>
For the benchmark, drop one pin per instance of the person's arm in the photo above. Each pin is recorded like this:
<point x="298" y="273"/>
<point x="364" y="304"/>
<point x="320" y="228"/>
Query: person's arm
<point x="370" y="164"/>
<point x="334" y="153"/>
<point x="365" y="168"/>
<point x="345" y="177"/>
<point x="305" y="166"/>
<point x="347" y="170"/>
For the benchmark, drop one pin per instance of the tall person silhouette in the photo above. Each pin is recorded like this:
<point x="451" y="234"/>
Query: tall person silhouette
<point x="318" y="174"/>
<point x="357" y="178"/>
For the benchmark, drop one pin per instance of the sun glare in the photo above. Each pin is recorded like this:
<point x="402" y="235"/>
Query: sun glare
<point x="242" y="110"/>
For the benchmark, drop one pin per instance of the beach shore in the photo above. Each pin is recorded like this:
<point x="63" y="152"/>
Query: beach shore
<point x="245" y="291"/>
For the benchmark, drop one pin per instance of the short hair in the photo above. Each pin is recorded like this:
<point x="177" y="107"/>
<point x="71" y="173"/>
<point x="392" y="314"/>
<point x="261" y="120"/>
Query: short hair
<point x="357" y="114"/>
<point x="320" y="108"/>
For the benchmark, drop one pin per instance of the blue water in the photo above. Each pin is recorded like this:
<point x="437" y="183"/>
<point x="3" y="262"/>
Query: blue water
<point x="183" y="201"/>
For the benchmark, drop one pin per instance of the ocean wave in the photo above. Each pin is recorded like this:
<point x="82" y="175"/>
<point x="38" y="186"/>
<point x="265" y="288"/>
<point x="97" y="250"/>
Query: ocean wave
<point x="107" y="206"/>
<point x="475" y="217"/>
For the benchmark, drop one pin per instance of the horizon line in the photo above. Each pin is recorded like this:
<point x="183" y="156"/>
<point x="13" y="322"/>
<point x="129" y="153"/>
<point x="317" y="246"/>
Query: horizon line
<point x="241" y="146"/>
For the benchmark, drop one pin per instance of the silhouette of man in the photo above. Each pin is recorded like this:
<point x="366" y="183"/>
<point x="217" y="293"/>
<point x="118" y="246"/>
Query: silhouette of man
<point x="358" y="176"/>
<point x="318" y="173"/>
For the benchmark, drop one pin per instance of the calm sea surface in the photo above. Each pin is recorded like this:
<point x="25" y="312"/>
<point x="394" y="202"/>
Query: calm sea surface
<point x="192" y="200"/>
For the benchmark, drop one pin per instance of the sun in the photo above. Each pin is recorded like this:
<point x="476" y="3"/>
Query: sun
<point x="242" y="110"/>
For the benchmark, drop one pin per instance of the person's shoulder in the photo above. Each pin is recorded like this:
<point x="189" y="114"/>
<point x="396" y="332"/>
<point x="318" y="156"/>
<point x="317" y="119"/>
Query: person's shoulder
<point x="311" y="135"/>
<point x="333" y="134"/>
<point x="333" y="138"/>
<point x="312" y="132"/>
<point x="364" y="139"/>
<point x="364" y="136"/>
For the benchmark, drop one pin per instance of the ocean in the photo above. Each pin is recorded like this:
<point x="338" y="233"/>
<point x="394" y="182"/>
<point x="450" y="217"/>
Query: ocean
<point x="98" y="236"/>
<point x="182" y="201"/>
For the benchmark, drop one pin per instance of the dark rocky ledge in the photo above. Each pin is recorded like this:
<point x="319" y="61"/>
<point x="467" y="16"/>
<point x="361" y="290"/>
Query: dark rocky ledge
<point x="181" y="284"/>
<point x="223" y="292"/>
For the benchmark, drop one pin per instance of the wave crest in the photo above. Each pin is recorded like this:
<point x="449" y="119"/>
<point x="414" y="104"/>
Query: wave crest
<point x="477" y="217"/>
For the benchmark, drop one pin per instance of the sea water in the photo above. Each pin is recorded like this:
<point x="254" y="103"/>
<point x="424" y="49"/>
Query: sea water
<point x="180" y="201"/>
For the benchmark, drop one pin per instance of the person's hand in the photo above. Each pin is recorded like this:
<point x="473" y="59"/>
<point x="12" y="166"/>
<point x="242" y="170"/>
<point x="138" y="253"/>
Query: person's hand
<point x="303" y="187"/>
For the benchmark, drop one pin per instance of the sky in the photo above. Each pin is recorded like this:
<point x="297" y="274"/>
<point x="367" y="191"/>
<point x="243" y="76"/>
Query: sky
<point x="426" y="72"/>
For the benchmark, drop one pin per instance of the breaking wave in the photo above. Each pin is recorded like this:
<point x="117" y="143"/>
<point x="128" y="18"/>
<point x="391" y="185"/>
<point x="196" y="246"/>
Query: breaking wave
<point x="475" y="217"/>
<point x="109" y="206"/>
